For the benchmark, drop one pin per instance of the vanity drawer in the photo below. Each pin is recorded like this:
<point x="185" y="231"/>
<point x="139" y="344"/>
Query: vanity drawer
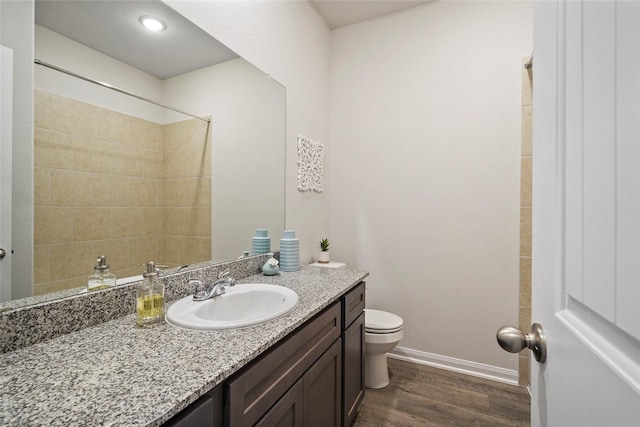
<point x="353" y="305"/>
<point x="256" y="388"/>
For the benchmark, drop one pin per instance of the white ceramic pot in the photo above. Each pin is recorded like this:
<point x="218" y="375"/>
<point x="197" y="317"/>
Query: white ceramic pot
<point x="323" y="257"/>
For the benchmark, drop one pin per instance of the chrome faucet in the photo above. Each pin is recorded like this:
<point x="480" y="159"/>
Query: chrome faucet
<point x="204" y="292"/>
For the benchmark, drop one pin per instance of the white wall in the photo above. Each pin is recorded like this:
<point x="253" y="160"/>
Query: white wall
<point x="247" y="112"/>
<point x="68" y="54"/>
<point x="425" y="159"/>
<point x="289" y="41"/>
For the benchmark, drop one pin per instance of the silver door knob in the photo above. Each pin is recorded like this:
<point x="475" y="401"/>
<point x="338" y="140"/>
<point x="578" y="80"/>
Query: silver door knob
<point x="514" y="341"/>
<point x="2" y="253"/>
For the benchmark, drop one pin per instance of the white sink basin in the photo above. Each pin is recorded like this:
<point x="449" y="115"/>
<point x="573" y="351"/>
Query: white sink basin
<point x="242" y="305"/>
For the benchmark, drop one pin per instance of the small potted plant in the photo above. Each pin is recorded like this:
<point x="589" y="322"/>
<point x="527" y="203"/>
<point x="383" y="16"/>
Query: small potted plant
<point x="323" y="255"/>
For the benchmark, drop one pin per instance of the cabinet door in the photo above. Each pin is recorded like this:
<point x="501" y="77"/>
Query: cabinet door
<point x="353" y="375"/>
<point x="322" y="389"/>
<point x="253" y="391"/>
<point x="287" y="412"/>
<point x="352" y="305"/>
<point x="199" y="414"/>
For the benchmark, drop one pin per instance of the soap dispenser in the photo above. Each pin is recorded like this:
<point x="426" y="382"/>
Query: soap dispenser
<point x="150" y="298"/>
<point x="101" y="278"/>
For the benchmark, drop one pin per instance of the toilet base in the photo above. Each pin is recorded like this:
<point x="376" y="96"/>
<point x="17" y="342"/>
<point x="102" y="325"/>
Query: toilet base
<point x="376" y="371"/>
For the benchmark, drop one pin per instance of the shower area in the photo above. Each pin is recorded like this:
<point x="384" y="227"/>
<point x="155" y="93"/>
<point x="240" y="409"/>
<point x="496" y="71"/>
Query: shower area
<point x="526" y="162"/>
<point x="109" y="183"/>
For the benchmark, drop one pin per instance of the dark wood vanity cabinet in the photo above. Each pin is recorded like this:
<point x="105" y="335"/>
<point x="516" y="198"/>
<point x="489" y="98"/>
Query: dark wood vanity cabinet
<point x="352" y="353"/>
<point x="313" y="377"/>
<point x="251" y="393"/>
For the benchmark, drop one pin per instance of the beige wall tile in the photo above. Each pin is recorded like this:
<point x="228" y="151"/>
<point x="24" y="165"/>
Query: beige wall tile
<point x="187" y="163"/>
<point x="127" y="160"/>
<point x="525" y="231"/>
<point x="152" y="164"/>
<point x="152" y="221"/>
<point x="128" y="272"/>
<point x="187" y="192"/>
<point x="203" y="192"/>
<point x="527" y="131"/>
<point x="525" y="282"/>
<point x="523" y="367"/>
<point x="52" y="149"/>
<point x="195" y="250"/>
<point x="93" y="155"/>
<point x="144" y="192"/>
<point x="201" y="222"/>
<point x="71" y="116"/>
<point x="145" y="134"/>
<point x="91" y="223"/>
<point x="52" y="225"/>
<point x="188" y="134"/>
<point x="194" y="192"/>
<point x="526" y="181"/>
<point x="116" y="251"/>
<point x="171" y="249"/>
<point x="171" y="189"/>
<point x="127" y="223"/>
<point x="70" y="188"/>
<point x="110" y="125"/>
<point x="145" y="249"/>
<point x="70" y="260"/>
<point x="524" y="319"/>
<point x="60" y="285"/>
<point x="41" y="187"/>
<point x="109" y="190"/>
<point x="119" y="162"/>
<point x="41" y="264"/>
<point x="176" y="221"/>
<point x="42" y="109"/>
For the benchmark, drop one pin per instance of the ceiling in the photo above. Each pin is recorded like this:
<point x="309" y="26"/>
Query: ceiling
<point x="112" y="27"/>
<point x="340" y="13"/>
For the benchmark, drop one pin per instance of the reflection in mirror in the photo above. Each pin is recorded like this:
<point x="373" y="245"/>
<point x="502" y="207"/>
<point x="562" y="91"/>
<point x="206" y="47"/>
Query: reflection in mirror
<point x="119" y="177"/>
<point x="108" y="183"/>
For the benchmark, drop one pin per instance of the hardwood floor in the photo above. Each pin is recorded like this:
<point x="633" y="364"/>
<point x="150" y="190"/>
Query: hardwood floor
<point x="420" y="395"/>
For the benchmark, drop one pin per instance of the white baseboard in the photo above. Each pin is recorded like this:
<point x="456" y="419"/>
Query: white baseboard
<point x="495" y="373"/>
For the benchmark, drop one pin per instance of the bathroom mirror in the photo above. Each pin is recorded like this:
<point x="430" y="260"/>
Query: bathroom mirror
<point x="117" y="176"/>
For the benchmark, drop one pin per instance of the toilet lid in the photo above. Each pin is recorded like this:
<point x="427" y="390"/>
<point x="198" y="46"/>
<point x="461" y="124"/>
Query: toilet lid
<point x="378" y="321"/>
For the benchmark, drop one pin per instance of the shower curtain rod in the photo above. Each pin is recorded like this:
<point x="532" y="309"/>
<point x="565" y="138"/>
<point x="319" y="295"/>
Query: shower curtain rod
<point x="108" y="86"/>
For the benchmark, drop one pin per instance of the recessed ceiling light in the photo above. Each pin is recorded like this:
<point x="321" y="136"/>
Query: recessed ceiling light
<point x="152" y="23"/>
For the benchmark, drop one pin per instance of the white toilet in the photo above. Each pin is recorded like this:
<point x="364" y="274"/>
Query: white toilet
<point x="382" y="332"/>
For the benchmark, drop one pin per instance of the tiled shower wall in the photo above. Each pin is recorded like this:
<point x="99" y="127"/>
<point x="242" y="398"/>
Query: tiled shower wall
<point x="526" y="162"/>
<point x="111" y="184"/>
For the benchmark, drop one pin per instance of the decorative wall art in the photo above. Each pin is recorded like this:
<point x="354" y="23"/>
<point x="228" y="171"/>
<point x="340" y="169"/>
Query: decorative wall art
<point x="310" y="165"/>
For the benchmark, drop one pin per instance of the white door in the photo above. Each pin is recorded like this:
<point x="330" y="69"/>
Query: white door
<point x="6" y="106"/>
<point x="586" y="213"/>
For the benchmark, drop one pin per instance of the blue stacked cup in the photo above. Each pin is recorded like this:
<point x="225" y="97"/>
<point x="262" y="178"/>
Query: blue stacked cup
<point x="289" y="251"/>
<point x="261" y="243"/>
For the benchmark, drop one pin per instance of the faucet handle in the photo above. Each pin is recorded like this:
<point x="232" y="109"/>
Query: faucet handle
<point x="223" y="274"/>
<point x="199" y="290"/>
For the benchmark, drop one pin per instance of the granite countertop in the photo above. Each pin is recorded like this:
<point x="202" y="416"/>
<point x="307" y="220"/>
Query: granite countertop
<point x="115" y="374"/>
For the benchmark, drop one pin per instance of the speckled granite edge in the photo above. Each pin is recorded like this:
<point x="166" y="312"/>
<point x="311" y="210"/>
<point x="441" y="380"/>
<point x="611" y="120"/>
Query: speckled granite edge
<point x="27" y="325"/>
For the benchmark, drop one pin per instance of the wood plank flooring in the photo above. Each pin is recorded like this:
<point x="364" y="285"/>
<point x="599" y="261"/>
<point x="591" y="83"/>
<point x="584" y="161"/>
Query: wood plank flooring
<point x="420" y="395"/>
